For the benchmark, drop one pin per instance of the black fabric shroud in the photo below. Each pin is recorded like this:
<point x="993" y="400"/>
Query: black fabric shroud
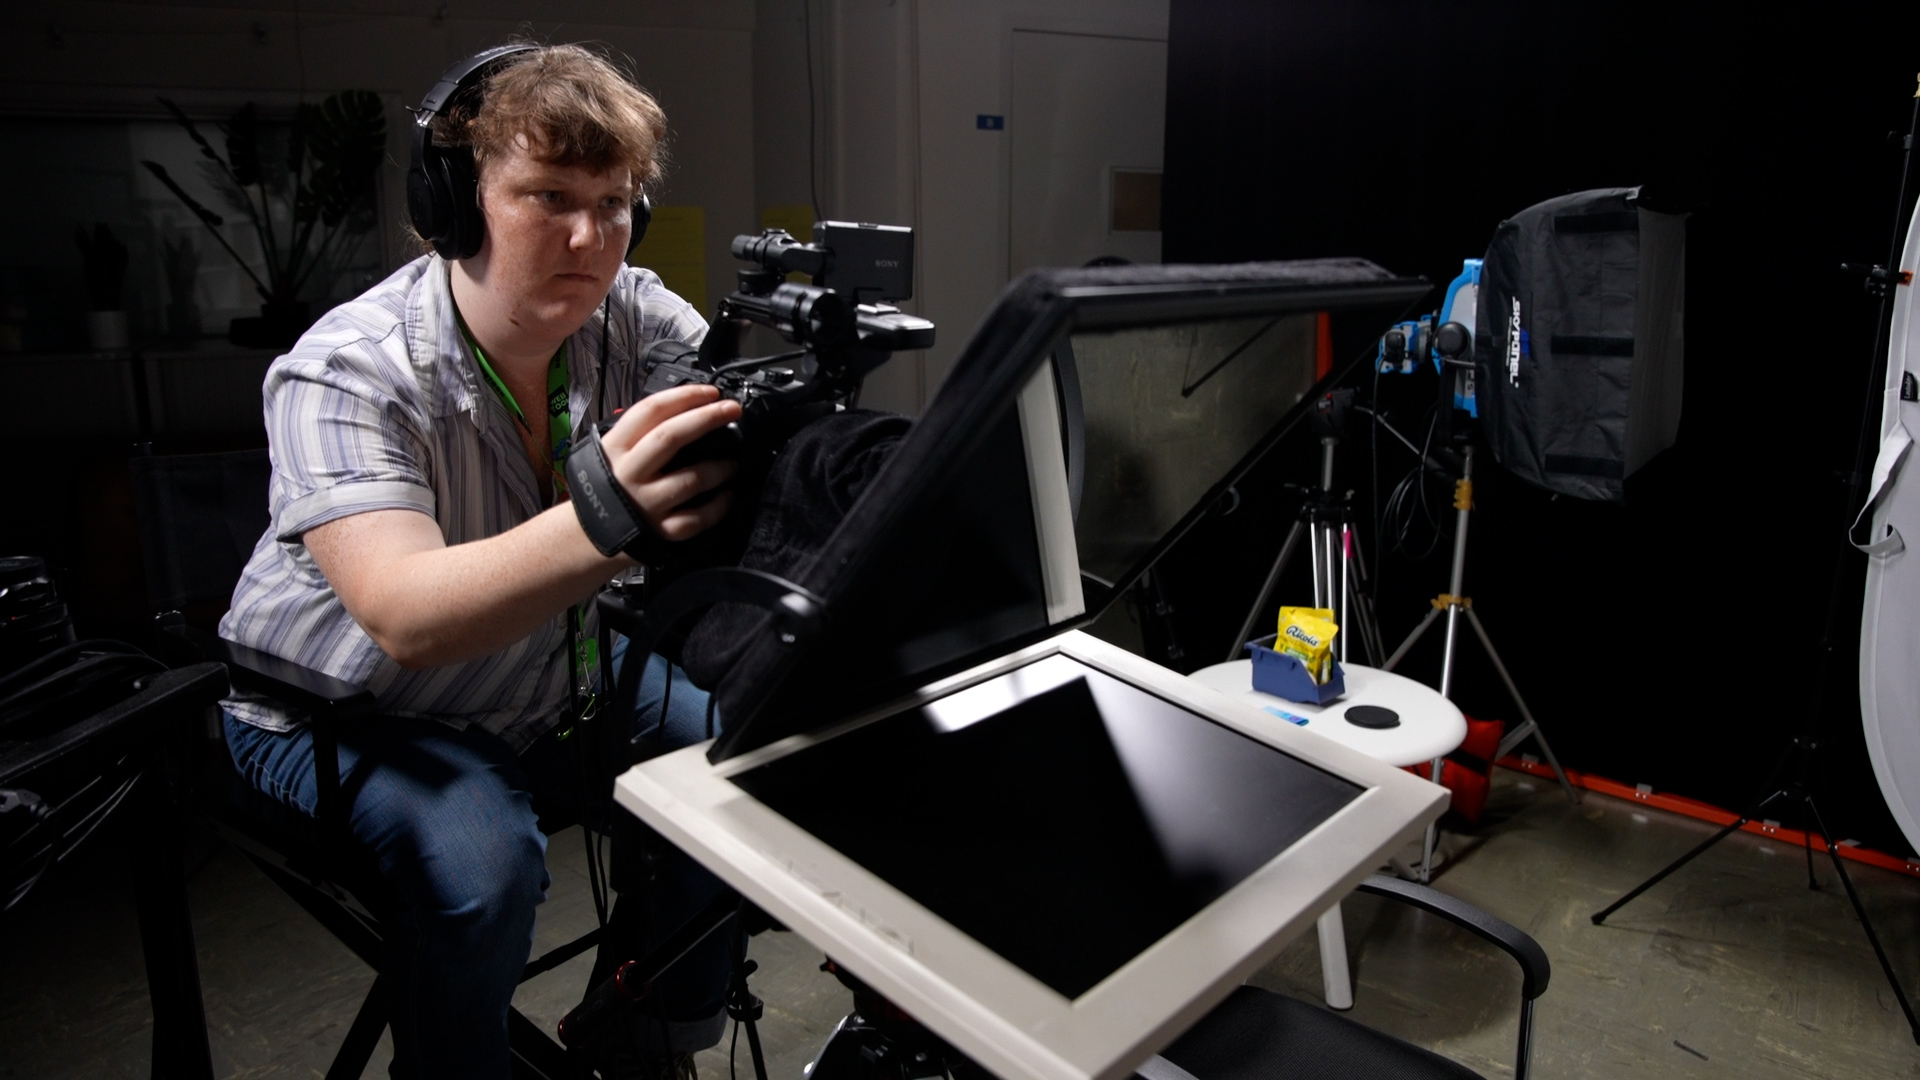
<point x="1576" y="349"/>
<point x="812" y="484"/>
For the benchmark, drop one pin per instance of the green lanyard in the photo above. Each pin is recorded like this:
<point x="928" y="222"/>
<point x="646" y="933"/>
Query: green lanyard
<point x="559" y="413"/>
<point x="585" y="654"/>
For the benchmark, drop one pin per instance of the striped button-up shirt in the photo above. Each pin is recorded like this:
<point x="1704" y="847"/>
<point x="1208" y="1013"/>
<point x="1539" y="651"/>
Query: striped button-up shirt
<point x="380" y="406"/>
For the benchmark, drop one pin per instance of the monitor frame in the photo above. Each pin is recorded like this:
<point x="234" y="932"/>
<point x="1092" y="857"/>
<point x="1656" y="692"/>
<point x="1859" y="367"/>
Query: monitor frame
<point x="1036" y="315"/>
<point x="999" y="1015"/>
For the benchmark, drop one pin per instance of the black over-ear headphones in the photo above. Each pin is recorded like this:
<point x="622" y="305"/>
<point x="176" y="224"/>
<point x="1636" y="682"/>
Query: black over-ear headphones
<point x="443" y="182"/>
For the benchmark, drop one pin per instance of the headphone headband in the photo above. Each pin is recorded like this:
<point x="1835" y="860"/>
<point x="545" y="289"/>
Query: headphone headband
<point x="456" y="79"/>
<point x="443" y="181"/>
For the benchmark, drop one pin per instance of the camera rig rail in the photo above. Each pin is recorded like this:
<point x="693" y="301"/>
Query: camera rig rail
<point x="841" y="339"/>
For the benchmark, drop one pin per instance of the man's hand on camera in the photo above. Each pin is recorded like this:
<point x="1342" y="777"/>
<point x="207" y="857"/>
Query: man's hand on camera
<point x="646" y="438"/>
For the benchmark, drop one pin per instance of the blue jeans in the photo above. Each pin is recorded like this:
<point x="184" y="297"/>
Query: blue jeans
<point x="449" y="817"/>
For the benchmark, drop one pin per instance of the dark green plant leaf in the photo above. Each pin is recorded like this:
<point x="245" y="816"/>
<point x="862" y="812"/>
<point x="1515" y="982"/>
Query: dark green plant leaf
<point x="243" y="145"/>
<point x="193" y="132"/>
<point x="207" y="216"/>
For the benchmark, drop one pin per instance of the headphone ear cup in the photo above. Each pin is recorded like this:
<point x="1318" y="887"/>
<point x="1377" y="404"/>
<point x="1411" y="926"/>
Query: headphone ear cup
<point x="466" y="225"/>
<point x="423" y="209"/>
<point x="642" y="217"/>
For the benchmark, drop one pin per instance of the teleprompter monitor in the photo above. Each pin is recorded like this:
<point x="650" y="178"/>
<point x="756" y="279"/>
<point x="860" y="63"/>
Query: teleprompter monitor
<point x="1093" y="417"/>
<point x="1054" y="853"/>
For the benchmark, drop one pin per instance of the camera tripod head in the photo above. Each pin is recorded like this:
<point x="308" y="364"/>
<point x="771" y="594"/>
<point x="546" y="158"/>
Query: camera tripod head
<point x="1328" y="415"/>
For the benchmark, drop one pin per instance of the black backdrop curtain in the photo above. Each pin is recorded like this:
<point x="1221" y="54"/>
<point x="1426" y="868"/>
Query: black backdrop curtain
<point x="1666" y="641"/>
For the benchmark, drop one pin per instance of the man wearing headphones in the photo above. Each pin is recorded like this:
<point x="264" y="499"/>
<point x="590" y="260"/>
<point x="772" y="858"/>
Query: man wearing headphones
<point x="422" y="543"/>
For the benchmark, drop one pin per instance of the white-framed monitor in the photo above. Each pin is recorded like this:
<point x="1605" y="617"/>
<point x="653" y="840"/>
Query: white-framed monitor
<point x="1054" y="853"/>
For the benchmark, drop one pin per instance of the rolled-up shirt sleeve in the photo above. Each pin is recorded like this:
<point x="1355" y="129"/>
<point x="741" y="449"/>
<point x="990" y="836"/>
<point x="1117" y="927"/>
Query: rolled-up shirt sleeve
<point x="342" y="443"/>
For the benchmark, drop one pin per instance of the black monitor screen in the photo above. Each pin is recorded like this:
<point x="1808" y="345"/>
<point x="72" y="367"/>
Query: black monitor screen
<point x="1063" y="818"/>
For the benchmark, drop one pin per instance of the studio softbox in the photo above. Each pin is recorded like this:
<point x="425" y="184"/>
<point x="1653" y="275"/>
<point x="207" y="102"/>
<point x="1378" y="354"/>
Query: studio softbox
<point x="1578" y="340"/>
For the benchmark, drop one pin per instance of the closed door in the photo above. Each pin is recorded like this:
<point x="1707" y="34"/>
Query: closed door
<point x="1086" y="124"/>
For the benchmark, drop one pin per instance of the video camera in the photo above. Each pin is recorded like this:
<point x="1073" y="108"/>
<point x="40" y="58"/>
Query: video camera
<point x="842" y="328"/>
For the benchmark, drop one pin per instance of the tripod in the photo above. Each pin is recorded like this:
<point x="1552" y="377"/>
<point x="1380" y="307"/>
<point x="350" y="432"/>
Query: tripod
<point x="1800" y="761"/>
<point x="1326" y="520"/>
<point x="1454" y="604"/>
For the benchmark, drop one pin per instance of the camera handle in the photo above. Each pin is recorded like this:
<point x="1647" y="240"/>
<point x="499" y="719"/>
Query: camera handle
<point x="798" y="610"/>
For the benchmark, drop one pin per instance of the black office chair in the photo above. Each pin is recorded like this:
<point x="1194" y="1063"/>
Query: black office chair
<point x="86" y="734"/>
<point x="1259" y="1035"/>
<point x="199" y="518"/>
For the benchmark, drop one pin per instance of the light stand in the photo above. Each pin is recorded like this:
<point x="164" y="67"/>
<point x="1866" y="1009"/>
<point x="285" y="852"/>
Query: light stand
<point x="1799" y="761"/>
<point x="1326" y="520"/>
<point x="1453" y="343"/>
<point x="1454" y="604"/>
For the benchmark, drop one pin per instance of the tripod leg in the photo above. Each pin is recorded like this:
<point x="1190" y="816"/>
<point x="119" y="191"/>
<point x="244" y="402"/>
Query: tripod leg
<point x="1266" y="591"/>
<point x="1886" y="966"/>
<point x="1400" y="653"/>
<point x="1601" y="916"/>
<point x="1530" y="726"/>
<point x="753" y="1048"/>
<point x="1369" y="629"/>
<point x="1363" y="606"/>
<point x="1683" y="860"/>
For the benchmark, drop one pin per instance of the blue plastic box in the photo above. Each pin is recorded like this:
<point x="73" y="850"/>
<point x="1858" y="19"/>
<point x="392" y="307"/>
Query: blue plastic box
<point x="1283" y="675"/>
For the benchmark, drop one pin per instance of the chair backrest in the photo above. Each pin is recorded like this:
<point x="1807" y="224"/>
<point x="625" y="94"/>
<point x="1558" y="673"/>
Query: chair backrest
<point x="200" y="516"/>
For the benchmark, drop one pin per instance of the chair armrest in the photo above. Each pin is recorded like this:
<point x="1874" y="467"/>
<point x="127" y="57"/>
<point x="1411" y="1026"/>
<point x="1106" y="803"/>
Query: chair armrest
<point x="326" y="700"/>
<point x="302" y="687"/>
<point x="114" y="729"/>
<point x="1532" y="959"/>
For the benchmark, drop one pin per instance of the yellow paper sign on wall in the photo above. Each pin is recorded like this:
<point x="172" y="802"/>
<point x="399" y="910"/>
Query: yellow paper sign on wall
<point x="676" y="249"/>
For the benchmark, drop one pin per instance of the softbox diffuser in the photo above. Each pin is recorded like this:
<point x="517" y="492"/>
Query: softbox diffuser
<point x="1577" y="349"/>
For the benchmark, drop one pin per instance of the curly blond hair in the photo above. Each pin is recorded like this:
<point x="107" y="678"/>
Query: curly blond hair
<point x="568" y="105"/>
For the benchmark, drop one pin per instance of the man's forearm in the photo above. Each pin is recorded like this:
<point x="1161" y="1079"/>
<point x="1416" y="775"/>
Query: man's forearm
<point x="426" y="604"/>
<point x="435" y="605"/>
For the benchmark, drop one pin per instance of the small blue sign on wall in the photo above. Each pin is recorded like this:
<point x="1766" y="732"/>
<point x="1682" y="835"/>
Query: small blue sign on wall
<point x="987" y="122"/>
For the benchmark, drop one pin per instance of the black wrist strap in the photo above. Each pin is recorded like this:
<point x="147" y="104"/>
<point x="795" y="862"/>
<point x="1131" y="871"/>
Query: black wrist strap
<point x="609" y="517"/>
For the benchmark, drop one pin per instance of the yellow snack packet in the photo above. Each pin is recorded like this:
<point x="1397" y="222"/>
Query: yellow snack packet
<point x="1307" y="634"/>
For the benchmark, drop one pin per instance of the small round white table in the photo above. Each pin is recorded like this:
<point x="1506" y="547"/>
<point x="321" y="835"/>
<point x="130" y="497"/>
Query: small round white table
<point x="1430" y="728"/>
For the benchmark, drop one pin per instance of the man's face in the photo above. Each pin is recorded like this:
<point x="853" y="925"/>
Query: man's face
<point x="556" y="236"/>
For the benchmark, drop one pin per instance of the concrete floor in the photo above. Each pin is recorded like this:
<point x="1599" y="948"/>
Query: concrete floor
<point x="1731" y="969"/>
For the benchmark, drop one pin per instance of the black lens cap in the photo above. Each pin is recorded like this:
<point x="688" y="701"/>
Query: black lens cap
<point x="1373" y="716"/>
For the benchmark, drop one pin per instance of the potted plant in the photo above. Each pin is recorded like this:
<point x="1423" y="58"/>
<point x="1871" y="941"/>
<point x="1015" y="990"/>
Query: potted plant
<point x="103" y="261"/>
<point x="306" y="206"/>
<point x="182" y="262"/>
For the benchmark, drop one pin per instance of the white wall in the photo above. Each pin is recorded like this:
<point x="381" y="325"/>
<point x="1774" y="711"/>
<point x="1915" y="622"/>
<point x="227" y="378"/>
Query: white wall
<point x="85" y="57"/>
<point x="899" y="84"/>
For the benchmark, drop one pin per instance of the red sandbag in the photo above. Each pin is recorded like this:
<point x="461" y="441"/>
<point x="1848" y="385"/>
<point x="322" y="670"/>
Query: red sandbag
<point x="1467" y="772"/>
